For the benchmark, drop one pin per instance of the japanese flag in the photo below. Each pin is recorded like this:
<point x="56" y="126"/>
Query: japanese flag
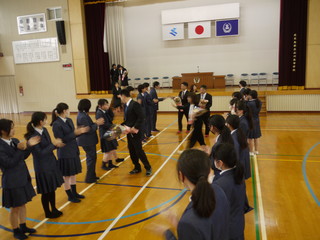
<point x="199" y="29"/>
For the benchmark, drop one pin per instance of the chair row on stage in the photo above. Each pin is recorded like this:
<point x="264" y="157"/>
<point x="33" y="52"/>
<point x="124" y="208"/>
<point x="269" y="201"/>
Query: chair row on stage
<point x="164" y="81"/>
<point x="254" y="78"/>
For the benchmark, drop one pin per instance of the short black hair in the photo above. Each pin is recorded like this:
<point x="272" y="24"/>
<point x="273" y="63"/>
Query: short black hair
<point x="130" y="89"/>
<point x="125" y="92"/>
<point x="155" y="84"/>
<point x="246" y="91"/>
<point x="243" y="83"/>
<point x="140" y="87"/>
<point x="185" y="84"/>
<point x="113" y="65"/>
<point x="5" y="126"/>
<point x="84" y="105"/>
<point x="203" y="86"/>
<point x="146" y="85"/>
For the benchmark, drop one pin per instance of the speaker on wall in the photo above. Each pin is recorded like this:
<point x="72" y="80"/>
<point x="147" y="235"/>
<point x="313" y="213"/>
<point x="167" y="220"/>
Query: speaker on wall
<point x="61" y="32"/>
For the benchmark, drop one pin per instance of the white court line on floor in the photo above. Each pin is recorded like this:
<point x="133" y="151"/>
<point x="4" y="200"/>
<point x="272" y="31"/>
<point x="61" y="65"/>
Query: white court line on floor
<point x="140" y="191"/>
<point x="92" y="184"/>
<point x="259" y="195"/>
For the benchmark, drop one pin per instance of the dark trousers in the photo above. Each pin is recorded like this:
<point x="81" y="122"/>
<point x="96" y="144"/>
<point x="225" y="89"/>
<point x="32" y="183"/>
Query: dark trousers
<point x="197" y="135"/>
<point x="148" y="123"/>
<point x="180" y="116"/>
<point x="91" y="159"/>
<point x="154" y="120"/>
<point x="136" y="151"/>
<point x="205" y="119"/>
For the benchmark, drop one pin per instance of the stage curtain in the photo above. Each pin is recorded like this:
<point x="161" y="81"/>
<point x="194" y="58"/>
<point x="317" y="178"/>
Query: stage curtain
<point x="98" y="59"/>
<point x="292" y="49"/>
<point x="114" y="33"/>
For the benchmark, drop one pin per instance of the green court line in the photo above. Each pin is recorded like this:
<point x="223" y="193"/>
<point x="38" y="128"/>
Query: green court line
<point x="256" y="209"/>
<point x="286" y="155"/>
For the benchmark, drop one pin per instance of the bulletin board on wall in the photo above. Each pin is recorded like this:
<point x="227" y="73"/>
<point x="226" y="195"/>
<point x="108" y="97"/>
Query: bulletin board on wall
<point x="36" y="50"/>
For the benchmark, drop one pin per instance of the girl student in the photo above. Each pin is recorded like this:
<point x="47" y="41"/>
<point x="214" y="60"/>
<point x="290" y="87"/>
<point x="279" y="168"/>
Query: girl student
<point x="88" y="140"/>
<point x="17" y="189"/>
<point x="196" y="121"/>
<point x="107" y="147"/>
<point x="48" y="175"/>
<point x="254" y="104"/>
<point x="207" y="215"/>
<point x="116" y="100"/>
<point x="68" y="155"/>
<point x="232" y="182"/>
<point x="218" y="127"/>
<point x="244" y="113"/>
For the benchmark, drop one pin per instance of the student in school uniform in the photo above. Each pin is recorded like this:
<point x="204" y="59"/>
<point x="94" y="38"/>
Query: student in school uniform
<point x="114" y="74"/>
<point x="218" y="127"/>
<point x="48" y="175"/>
<point x="242" y="86"/>
<point x="244" y="113"/>
<point x="108" y="148"/>
<point x="196" y="121"/>
<point x="237" y="95"/>
<point x="116" y="101"/>
<point x="246" y="92"/>
<point x="149" y="109"/>
<point x="206" y="96"/>
<point x="183" y="94"/>
<point x="193" y="88"/>
<point x="17" y="189"/>
<point x="155" y="99"/>
<point x="254" y="104"/>
<point x="207" y="215"/>
<point x="88" y="140"/>
<point x="142" y="101"/>
<point x="68" y="155"/>
<point x="134" y="119"/>
<point x="123" y="76"/>
<point x="231" y="181"/>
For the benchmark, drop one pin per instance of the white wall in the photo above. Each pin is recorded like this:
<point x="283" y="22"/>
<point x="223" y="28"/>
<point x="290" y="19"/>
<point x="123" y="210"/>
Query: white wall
<point x="255" y="50"/>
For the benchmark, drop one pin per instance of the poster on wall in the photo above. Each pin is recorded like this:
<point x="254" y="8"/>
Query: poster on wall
<point x="227" y="28"/>
<point x="173" y="31"/>
<point x="36" y="50"/>
<point x="32" y="23"/>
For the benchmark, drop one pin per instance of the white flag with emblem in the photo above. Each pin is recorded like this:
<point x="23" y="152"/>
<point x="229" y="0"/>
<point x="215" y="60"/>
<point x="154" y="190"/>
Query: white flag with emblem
<point x="173" y="31"/>
<point x="199" y="29"/>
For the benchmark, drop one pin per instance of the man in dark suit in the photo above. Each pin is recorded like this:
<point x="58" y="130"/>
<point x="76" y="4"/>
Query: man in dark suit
<point x="114" y="75"/>
<point x="156" y="100"/>
<point x="204" y="95"/>
<point x="134" y="119"/>
<point x="183" y="94"/>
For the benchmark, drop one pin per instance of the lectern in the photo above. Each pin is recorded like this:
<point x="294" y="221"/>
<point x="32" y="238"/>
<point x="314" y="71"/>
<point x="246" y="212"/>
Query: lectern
<point x="200" y="78"/>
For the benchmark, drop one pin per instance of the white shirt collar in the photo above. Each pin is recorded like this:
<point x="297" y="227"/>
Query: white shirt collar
<point x="102" y="110"/>
<point x="7" y="141"/>
<point x="217" y="138"/>
<point x="129" y="102"/>
<point x="40" y="131"/>
<point x="226" y="170"/>
<point x="63" y="119"/>
<point x="203" y="95"/>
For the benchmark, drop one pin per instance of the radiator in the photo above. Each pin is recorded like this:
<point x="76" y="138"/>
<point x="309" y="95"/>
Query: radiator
<point x="307" y="102"/>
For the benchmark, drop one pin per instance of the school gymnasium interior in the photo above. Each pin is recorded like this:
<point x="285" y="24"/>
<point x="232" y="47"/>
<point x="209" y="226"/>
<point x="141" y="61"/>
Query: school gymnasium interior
<point x="62" y="51"/>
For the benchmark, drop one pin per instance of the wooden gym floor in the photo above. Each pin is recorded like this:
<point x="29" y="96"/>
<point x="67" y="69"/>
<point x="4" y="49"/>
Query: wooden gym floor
<point x="284" y="189"/>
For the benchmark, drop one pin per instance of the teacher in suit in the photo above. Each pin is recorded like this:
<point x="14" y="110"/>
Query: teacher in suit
<point x="183" y="94"/>
<point x="134" y="119"/>
<point x="155" y="100"/>
<point x="205" y="118"/>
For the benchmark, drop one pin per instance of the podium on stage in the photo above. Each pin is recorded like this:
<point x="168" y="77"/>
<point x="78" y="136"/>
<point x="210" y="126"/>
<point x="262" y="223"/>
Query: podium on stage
<point x="200" y="78"/>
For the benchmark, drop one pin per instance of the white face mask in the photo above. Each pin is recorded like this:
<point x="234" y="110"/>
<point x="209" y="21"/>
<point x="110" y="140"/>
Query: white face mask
<point x="215" y="164"/>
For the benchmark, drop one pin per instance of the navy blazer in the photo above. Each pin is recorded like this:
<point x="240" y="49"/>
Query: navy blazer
<point x="154" y="95"/>
<point x="107" y="121"/>
<point x="254" y="109"/>
<point x="65" y="131"/>
<point x="244" y="125"/>
<point x="148" y="103"/>
<point x="133" y="115"/>
<point x="193" y="227"/>
<point x="236" y="145"/>
<point x="15" y="173"/>
<point x="242" y="90"/>
<point x="89" y="138"/>
<point x="236" y="194"/>
<point x="43" y="158"/>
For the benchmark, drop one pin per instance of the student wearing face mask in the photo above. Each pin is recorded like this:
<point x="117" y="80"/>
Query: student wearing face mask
<point x="231" y="180"/>
<point x="68" y="155"/>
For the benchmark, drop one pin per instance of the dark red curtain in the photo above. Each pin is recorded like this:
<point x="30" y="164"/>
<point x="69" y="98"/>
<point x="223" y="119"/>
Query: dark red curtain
<point x="292" y="49"/>
<point x="98" y="59"/>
